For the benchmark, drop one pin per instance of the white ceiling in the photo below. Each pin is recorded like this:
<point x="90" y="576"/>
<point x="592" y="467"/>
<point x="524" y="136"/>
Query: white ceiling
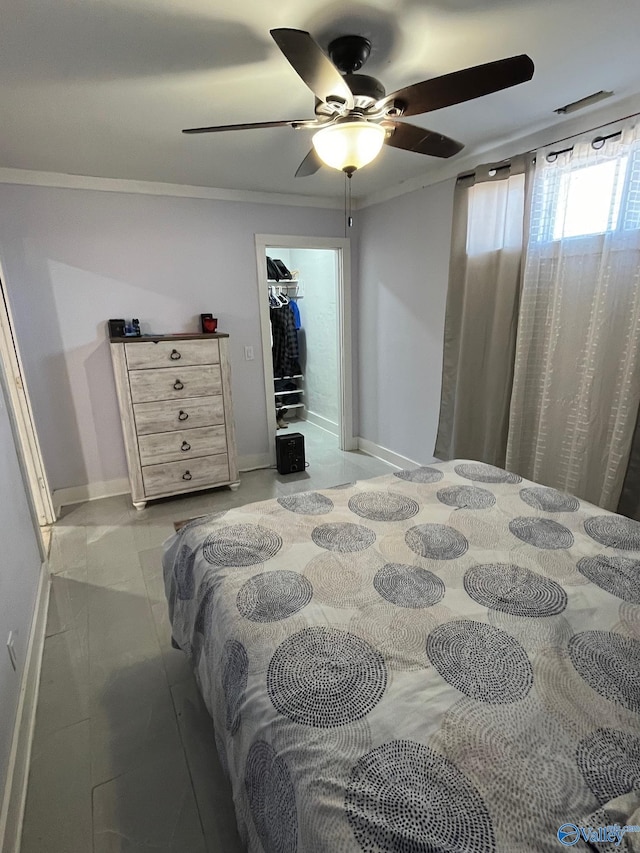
<point x="103" y="87"/>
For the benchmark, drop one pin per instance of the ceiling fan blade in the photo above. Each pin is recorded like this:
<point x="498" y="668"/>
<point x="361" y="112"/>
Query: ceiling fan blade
<point x="309" y="165"/>
<point x="252" y="126"/>
<point x="461" y="86"/>
<point x="409" y="137"/>
<point x="313" y="66"/>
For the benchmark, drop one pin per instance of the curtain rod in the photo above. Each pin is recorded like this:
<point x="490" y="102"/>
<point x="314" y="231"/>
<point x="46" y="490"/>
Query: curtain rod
<point x="600" y="139"/>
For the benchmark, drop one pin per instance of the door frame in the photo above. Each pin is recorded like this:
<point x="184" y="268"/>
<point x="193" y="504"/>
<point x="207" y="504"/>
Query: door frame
<point x="22" y="415"/>
<point x="342" y="245"/>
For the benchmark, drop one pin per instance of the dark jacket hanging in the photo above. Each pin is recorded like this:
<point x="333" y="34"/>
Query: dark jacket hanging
<point x="286" y="355"/>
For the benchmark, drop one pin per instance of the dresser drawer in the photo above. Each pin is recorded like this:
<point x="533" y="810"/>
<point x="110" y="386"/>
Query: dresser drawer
<point x="183" y="444"/>
<point x="169" y="383"/>
<point x="182" y="415"/>
<point x="185" y="475"/>
<point x="167" y="353"/>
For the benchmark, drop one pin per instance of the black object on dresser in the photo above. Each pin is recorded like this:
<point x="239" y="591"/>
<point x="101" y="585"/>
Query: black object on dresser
<point x="290" y="453"/>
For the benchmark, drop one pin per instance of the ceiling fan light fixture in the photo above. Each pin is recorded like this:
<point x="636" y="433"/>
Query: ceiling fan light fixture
<point x="349" y="145"/>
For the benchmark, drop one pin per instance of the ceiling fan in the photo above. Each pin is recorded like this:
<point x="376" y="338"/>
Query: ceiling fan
<point x="354" y="115"/>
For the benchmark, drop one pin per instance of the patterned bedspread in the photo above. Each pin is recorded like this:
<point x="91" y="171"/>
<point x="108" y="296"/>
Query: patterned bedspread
<point x="444" y="659"/>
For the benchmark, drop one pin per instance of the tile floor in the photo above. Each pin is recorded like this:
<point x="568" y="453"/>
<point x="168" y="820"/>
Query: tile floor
<point x="123" y="756"/>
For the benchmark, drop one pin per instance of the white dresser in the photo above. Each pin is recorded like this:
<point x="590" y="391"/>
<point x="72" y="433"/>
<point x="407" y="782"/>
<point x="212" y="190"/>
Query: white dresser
<point x="174" y="394"/>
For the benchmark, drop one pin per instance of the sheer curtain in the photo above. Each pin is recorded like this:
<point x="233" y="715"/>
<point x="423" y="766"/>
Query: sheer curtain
<point x="482" y="311"/>
<point x="576" y="387"/>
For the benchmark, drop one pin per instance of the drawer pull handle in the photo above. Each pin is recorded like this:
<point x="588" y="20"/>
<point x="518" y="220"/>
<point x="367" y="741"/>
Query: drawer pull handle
<point x="185" y="446"/>
<point x="178" y="385"/>
<point x="187" y="475"/>
<point x="182" y="416"/>
<point x="175" y="355"/>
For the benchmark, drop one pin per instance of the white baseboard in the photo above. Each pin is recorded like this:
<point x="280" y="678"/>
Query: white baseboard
<point x="257" y="460"/>
<point x="90" y="492"/>
<point x="323" y="423"/>
<point x="15" y="793"/>
<point x="120" y="486"/>
<point x="385" y="454"/>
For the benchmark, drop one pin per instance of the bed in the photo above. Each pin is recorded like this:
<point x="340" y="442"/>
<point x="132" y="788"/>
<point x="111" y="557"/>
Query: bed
<point x="442" y="659"/>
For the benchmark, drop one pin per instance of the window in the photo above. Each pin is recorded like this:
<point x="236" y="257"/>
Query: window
<point x="589" y="199"/>
<point x="577" y="198"/>
<point x="495" y="216"/>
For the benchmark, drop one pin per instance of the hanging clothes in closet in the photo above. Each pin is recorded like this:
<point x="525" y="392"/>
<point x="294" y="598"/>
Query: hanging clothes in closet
<point x="285" y="350"/>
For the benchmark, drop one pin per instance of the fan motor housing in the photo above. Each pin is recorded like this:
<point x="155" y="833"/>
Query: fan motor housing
<point x="349" y="53"/>
<point x="364" y="86"/>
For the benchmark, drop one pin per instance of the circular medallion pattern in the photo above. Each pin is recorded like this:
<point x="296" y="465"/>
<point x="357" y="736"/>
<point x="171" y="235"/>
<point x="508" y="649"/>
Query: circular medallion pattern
<point x="480" y="472"/>
<point x="404" y="796"/>
<point x="343" y="536"/>
<point x="200" y="520"/>
<point x="271" y="596"/>
<point x="481" y="661"/>
<point x="383" y="506"/>
<point x="541" y="532"/>
<point x="533" y="634"/>
<point x="630" y="619"/>
<point x="183" y="573"/>
<point x="307" y="503"/>
<point x="610" y="664"/>
<point x="399" y="633"/>
<point x="206" y="591"/>
<point x="235" y="670"/>
<point x="436" y="541"/>
<point x="204" y="615"/>
<point x="420" y="475"/>
<point x="610" y="763"/>
<point x="616" y="531"/>
<point x="618" y="575"/>
<point x="511" y="749"/>
<point x="344" y="580"/>
<point x="324" y="677"/>
<point x="466" y="497"/>
<point x="241" y="545"/>
<point x="408" y="586"/>
<point x="514" y="589"/>
<point x="272" y="799"/>
<point x="549" y="500"/>
<point x="222" y="753"/>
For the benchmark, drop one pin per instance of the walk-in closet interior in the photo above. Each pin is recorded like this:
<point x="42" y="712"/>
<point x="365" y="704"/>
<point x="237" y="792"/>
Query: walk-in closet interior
<point x="303" y="313"/>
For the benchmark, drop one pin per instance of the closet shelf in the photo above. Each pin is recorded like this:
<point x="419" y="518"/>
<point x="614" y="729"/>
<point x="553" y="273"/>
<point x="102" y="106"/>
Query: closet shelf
<point x="292" y="391"/>
<point x="293" y="405"/>
<point x="295" y="376"/>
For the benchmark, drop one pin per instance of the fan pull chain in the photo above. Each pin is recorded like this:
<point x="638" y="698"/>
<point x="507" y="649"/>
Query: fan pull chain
<point x="348" y="218"/>
<point x="346" y="213"/>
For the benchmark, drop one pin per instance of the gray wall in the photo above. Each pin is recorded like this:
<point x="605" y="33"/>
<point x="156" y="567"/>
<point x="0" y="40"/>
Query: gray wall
<point x="404" y="249"/>
<point x="74" y="258"/>
<point x="19" y="573"/>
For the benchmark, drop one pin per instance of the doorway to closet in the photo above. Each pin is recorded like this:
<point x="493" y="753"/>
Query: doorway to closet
<point x="310" y="393"/>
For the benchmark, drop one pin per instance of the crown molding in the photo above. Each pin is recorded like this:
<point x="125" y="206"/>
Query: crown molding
<point x="27" y="177"/>
<point x="537" y="136"/>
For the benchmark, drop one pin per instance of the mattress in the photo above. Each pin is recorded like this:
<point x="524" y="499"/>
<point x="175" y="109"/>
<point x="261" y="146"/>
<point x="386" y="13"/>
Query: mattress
<point x="442" y="659"/>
